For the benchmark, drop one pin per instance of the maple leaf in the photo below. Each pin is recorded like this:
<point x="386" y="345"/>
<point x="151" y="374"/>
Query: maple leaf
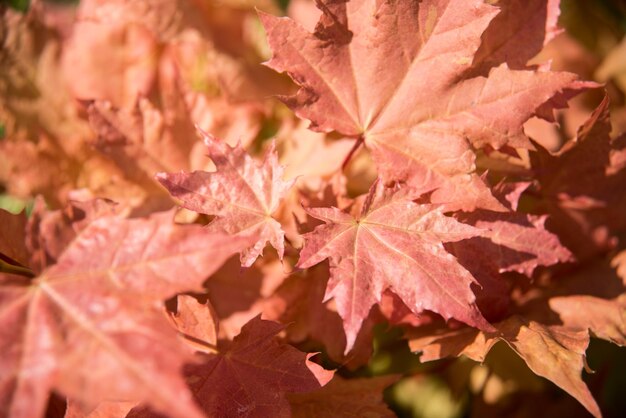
<point x="552" y="351"/>
<point x="238" y="295"/>
<point x="90" y="325"/>
<point x="242" y="193"/>
<point x="128" y="70"/>
<point x="295" y="299"/>
<point x="594" y="299"/>
<point x="393" y="243"/>
<point x="518" y="33"/>
<point x="298" y="302"/>
<point x="292" y="214"/>
<point x="493" y="294"/>
<point x="550" y="330"/>
<point x="512" y="242"/>
<point x="48" y="233"/>
<point x="581" y="186"/>
<point x="411" y="105"/>
<point x="162" y="75"/>
<point x="531" y="244"/>
<point x="429" y="95"/>
<point x="140" y="143"/>
<point x="309" y="155"/>
<point x="251" y="376"/>
<point x="196" y="320"/>
<point x="344" y="398"/>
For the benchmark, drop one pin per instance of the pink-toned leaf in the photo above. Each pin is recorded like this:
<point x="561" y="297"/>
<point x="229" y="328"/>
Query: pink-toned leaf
<point x="518" y="33"/>
<point x="90" y="326"/>
<point x="242" y="193"/>
<point x="48" y="233"/>
<point x="196" y="320"/>
<point x="531" y="244"/>
<point x="127" y="71"/>
<point x="155" y="248"/>
<point x="550" y="331"/>
<point x="310" y="156"/>
<point x="392" y="74"/>
<point x="512" y="241"/>
<point x="142" y="141"/>
<point x="393" y="244"/>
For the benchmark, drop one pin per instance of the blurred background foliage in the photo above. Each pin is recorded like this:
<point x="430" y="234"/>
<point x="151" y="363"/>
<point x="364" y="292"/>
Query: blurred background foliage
<point x="503" y="386"/>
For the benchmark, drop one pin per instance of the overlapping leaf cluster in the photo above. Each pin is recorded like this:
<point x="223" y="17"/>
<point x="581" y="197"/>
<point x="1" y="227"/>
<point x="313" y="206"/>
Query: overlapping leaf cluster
<point x="402" y="173"/>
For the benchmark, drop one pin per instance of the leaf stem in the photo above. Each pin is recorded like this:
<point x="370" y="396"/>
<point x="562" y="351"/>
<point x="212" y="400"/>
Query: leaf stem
<point x="14" y="269"/>
<point x="360" y="140"/>
<point x="200" y="345"/>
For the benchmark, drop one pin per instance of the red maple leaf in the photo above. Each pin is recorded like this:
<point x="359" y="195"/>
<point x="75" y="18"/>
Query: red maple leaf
<point x="251" y="375"/>
<point x="396" y="75"/>
<point x="582" y="186"/>
<point x="242" y="193"/>
<point x="392" y="243"/>
<point x="90" y="326"/>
